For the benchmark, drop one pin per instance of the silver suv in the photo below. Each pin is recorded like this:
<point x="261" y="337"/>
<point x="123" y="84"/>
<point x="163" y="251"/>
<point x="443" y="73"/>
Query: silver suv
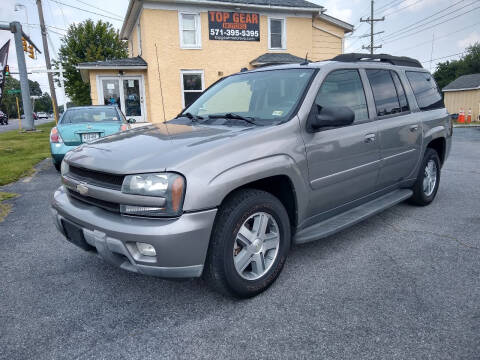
<point x="260" y="161"/>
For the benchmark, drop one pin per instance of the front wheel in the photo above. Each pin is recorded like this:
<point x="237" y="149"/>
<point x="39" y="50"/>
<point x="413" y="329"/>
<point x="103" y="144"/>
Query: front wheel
<point x="249" y="245"/>
<point x="428" y="179"/>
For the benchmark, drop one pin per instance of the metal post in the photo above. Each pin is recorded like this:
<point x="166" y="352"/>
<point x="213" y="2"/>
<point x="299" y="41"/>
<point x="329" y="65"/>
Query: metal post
<point x="47" y="60"/>
<point x="19" y="116"/>
<point x="22" y="69"/>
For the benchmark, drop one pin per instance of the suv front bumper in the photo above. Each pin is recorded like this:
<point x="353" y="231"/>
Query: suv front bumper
<point x="180" y="244"/>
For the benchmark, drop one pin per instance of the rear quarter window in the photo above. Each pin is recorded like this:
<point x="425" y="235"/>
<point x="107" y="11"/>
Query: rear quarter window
<point x="425" y="90"/>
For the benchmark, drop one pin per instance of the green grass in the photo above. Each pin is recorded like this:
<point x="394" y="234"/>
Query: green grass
<point x="5" y="208"/>
<point x="20" y="151"/>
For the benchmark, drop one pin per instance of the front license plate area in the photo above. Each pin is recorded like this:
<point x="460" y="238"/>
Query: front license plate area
<point x="75" y="235"/>
<point x="87" y="137"/>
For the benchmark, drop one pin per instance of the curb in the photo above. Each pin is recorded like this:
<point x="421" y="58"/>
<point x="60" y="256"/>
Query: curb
<point x="466" y="126"/>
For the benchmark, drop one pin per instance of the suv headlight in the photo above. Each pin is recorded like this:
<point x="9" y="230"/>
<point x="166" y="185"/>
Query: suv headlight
<point x="64" y="168"/>
<point x="170" y="186"/>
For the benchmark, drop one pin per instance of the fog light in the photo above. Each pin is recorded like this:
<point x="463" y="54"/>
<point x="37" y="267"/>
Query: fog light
<point x="146" y="249"/>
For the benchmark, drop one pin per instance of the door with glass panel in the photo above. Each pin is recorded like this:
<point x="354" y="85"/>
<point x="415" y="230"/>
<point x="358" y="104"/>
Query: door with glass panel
<point x="126" y="92"/>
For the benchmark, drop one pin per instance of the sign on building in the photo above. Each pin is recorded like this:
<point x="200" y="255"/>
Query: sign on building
<point x="233" y="26"/>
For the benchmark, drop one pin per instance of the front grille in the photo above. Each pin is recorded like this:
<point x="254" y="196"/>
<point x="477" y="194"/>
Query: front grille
<point x="98" y="178"/>
<point x="107" y="205"/>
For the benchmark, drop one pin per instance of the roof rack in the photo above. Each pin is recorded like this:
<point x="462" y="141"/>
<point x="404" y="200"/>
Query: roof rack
<point x="394" y="60"/>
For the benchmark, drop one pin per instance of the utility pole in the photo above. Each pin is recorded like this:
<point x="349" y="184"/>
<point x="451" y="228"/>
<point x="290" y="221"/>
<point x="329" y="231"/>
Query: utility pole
<point x="15" y="28"/>
<point x="372" y="20"/>
<point x="47" y="60"/>
<point x="22" y="69"/>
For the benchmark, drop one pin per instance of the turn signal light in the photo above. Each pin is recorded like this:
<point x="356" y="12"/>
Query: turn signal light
<point x="123" y="127"/>
<point x="55" y="136"/>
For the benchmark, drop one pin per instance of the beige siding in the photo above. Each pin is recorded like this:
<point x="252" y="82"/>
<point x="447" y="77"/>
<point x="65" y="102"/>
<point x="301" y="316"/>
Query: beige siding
<point x="467" y="99"/>
<point x="326" y="40"/>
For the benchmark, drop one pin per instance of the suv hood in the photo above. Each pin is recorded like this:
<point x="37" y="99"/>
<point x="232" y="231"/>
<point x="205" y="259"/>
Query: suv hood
<point x="157" y="147"/>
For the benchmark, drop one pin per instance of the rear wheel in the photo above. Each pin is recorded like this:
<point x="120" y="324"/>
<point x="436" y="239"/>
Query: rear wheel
<point x="249" y="244"/>
<point x="428" y="179"/>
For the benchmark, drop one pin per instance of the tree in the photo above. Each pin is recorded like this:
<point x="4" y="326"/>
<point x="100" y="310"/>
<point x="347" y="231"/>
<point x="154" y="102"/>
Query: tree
<point x="448" y="71"/>
<point x="44" y="103"/>
<point x="87" y="41"/>
<point x="9" y="104"/>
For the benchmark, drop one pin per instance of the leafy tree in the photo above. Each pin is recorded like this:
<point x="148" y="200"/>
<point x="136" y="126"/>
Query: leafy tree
<point x="448" y="71"/>
<point x="87" y="41"/>
<point x="9" y="104"/>
<point x="44" y="103"/>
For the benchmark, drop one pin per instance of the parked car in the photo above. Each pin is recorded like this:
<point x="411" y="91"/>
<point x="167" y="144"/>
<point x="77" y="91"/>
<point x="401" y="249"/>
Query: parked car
<point x="84" y="124"/>
<point x="3" y="118"/>
<point x="42" y="115"/>
<point x="261" y="160"/>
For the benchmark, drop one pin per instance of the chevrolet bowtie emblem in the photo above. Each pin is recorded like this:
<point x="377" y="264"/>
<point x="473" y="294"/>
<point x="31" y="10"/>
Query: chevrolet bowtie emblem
<point x="82" y="189"/>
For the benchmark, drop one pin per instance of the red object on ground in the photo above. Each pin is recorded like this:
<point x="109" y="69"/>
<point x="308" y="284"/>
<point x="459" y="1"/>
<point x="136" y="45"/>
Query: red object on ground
<point x="461" y="116"/>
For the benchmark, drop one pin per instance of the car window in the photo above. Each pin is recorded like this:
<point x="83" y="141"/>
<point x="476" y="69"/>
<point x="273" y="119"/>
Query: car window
<point x="400" y="92"/>
<point x="101" y="114"/>
<point x="268" y="96"/>
<point x="344" y="88"/>
<point x="384" y="92"/>
<point x="425" y="90"/>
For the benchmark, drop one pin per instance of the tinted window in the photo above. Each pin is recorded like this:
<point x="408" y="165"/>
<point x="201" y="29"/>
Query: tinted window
<point x="344" y="88"/>
<point x="425" y="90"/>
<point x="400" y="92"/>
<point x="384" y="92"/>
<point x="100" y="114"/>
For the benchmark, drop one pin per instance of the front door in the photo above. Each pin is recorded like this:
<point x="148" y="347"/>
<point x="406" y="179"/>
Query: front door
<point x="343" y="163"/>
<point x="126" y="92"/>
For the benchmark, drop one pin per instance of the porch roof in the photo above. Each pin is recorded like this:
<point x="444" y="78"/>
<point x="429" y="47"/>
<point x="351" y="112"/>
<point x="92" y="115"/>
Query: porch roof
<point x="134" y="63"/>
<point x="276" y="59"/>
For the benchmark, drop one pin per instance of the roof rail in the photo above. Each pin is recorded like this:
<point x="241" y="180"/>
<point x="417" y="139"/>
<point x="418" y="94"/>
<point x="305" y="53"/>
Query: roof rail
<point x="394" y="60"/>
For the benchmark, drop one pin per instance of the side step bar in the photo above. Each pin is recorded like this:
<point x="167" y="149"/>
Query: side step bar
<point x="351" y="217"/>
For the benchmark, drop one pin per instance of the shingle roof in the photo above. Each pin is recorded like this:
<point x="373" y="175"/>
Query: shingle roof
<point x="135" y="61"/>
<point x="286" y="3"/>
<point x="276" y="59"/>
<point x="464" y="82"/>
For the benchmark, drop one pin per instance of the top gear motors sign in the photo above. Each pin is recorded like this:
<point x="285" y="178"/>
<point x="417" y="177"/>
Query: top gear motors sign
<point x="233" y="26"/>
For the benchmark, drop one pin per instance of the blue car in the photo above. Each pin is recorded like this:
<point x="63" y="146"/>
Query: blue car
<point x="84" y="124"/>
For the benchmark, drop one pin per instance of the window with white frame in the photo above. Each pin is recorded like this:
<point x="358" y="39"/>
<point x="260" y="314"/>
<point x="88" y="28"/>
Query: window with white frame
<point x="192" y="86"/>
<point x="276" y="33"/>
<point x="190" y="34"/>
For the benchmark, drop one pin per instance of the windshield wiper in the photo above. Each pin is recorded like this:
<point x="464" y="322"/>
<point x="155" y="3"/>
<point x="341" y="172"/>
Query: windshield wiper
<point x="189" y="116"/>
<point x="249" y="119"/>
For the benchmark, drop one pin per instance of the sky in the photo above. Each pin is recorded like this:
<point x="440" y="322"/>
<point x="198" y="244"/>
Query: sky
<point x="422" y="29"/>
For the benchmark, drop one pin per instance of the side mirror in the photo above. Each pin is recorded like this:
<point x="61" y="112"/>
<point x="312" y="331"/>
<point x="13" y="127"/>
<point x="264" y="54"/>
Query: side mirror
<point x="330" y="116"/>
<point x="131" y="121"/>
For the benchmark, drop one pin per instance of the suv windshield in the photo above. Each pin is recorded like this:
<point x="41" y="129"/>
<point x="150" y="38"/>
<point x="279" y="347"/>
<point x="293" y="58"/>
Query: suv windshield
<point x="263" y="96"/>
<point x="101" y="114"/>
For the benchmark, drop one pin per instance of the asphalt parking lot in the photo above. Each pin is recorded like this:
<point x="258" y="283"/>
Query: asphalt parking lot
<point x="404" y="284"/>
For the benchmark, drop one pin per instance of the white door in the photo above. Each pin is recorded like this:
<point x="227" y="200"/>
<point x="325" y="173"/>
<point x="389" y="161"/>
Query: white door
<point x="127" y="92"/>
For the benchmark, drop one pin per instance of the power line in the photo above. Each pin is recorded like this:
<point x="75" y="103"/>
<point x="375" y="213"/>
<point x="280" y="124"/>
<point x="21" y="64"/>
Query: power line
<point x="420" y="22"/>
<point x="93" y="6"/>
<point x="395" y="12"/>
<point x="444" y="57"/>
<point x="87" y="11"/>
<point x="441" y="37"/>
<point x="429" y="27"/>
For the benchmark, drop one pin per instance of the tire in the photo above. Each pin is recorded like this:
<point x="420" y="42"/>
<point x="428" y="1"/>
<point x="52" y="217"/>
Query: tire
<point x="422" y="196"/>
<point x="57" y="166"/>
<point x="240" y="210"/>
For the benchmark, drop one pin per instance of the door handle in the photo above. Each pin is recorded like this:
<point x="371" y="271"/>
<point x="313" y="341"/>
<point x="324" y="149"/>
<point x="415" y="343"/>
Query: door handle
<point x="413" y="128"/>
<point x="369" y="138"/>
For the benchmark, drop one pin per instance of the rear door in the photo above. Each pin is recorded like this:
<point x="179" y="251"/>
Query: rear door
<point x="343" y="162"/>
<point x="399" y="130"/>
